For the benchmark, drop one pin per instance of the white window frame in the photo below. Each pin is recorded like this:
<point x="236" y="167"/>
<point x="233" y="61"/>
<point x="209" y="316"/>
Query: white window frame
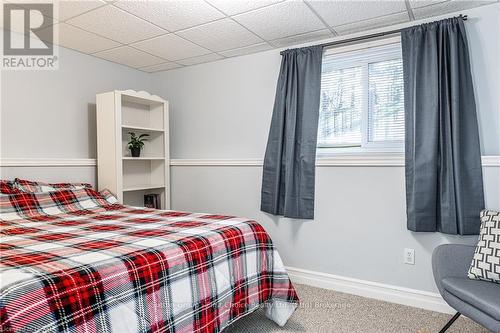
<point x="378" y="50"/>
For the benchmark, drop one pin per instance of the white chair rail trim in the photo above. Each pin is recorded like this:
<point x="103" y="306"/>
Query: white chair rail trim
<point x="389" y="160"/>
<point x="48" y="162"/>
<point x="377" y="160"/>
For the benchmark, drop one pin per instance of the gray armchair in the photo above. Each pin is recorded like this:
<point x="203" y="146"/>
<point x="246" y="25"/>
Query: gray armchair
<point x="478" y="300"/>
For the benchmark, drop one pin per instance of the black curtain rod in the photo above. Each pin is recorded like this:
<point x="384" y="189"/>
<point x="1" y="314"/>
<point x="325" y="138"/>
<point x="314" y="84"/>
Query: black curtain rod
<point x="376" y="35"/>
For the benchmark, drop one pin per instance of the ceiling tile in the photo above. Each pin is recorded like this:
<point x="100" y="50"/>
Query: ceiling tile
<point x="81" y="40"/>
<point x="200" y="59"/>
<point x="447" y="7"/>
<point x="114" y="23"/>
<point x="232" y="7"/>
<point x="129" y="56"/>
<point x="378" y="22"/>
<point x="171" y="47"/>
<point x="172" y="15"/>
<point x="247" y="50"/>
<point x="66" y="9"/>
<point x="423" y="3"/>
<point x="220" y="35"/>
<point x="302" y="38"/>
<point x="161" y="67"/>
<point x="281" y="20"/>
<point x="343" y="12"/>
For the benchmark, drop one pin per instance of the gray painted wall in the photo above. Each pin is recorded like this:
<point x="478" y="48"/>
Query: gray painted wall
<point x="57" y="174"/>
<point x="223" y="110"/>
<point x="51" y="114"/>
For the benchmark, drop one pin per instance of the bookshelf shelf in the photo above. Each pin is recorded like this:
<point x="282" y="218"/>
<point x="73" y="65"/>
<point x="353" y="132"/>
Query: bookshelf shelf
<point x="131" y="178"/>
<point x="142" y="187"/>
<point x="129" y="158"/>
<point x="141" y="129"/>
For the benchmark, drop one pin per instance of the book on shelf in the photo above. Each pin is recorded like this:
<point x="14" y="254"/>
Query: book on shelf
<point x="152" y="201"/>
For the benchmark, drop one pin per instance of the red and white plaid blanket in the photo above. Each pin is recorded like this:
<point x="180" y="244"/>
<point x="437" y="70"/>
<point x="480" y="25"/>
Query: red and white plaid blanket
<point x="75" y="261"/>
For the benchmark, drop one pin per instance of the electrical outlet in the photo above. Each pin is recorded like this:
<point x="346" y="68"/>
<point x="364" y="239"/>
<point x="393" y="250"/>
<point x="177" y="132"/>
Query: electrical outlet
<point x="409" y="256"/>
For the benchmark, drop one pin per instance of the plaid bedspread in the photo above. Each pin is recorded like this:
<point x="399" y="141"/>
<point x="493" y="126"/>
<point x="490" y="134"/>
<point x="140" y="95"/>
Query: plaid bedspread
<point x="75" y="261"/>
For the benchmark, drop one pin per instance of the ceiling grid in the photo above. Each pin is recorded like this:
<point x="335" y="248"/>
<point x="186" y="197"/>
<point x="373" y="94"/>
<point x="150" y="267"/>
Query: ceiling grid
<point x="156" y="36"/>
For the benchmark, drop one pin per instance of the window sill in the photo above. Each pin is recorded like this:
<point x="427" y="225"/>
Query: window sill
<point x="357" y="150"/>
<point x="359" y="157"/>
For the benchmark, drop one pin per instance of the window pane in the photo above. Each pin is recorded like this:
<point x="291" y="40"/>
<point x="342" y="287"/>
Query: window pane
<point x="341" y="106"/>
<point x="386" y="101"/>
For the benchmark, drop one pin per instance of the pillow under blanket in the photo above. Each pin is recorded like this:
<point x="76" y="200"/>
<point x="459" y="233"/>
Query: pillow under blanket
<point x="30" y="186"/>
<point x="7" y="187"/>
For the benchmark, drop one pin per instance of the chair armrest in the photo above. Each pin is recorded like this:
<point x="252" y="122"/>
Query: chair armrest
<point x="451" y="260"/>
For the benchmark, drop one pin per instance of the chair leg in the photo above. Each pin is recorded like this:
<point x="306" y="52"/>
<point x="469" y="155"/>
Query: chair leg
<point x="448" y="324"/>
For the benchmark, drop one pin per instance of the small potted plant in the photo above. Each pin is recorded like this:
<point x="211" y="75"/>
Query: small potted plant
<point x="136" y="143"/>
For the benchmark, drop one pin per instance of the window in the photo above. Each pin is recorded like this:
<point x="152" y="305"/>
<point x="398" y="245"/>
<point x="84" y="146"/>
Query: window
<point x="362" y="101"/>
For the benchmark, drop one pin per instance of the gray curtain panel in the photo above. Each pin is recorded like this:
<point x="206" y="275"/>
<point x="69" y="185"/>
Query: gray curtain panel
<point x="444" y="183"/>
<point x="289" y="162"/>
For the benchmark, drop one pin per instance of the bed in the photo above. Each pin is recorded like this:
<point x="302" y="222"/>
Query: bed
<point x="74" y="260"/>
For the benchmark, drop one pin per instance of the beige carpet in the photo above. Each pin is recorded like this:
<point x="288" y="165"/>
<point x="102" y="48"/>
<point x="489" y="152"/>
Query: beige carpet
<point x="329" y="311"/>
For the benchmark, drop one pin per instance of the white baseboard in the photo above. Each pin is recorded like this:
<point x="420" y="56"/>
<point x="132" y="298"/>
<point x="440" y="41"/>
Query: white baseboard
<point x="384" y="292"/>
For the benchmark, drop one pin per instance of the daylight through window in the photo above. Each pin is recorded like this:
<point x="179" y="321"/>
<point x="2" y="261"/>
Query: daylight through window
<point x="362" y="99"/>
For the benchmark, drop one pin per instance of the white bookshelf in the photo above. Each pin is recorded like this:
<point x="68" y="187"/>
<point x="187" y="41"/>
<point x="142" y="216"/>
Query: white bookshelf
<point x="130" y="178"/>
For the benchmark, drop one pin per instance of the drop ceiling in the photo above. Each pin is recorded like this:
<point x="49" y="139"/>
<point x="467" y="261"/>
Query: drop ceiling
<point x="155" y="36"/>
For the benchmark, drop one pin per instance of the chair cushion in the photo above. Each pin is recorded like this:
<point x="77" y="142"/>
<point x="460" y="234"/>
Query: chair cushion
<point x="482" y="295"/>
<point x="486" y="261"/>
